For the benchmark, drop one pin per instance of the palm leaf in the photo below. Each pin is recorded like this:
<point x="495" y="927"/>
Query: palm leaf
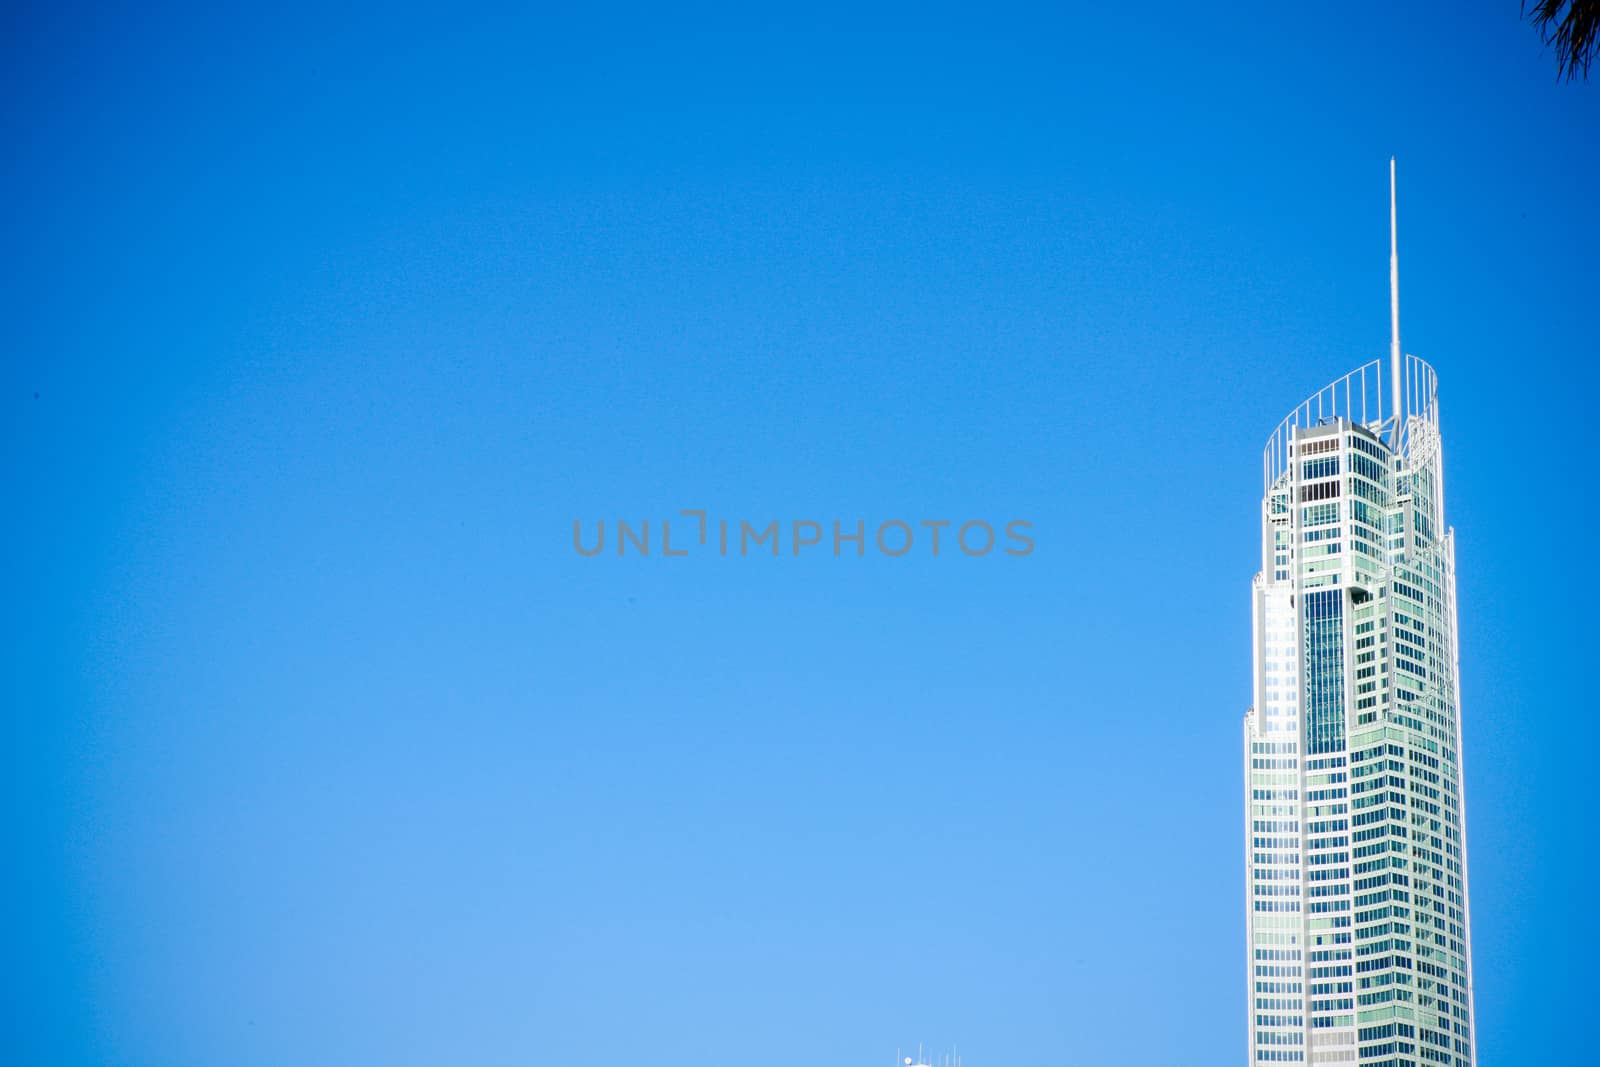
<point x="1569" y="26"/>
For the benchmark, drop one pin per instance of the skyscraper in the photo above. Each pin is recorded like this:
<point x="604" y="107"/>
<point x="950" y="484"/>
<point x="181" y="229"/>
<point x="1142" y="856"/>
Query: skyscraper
<point x="1355" y="855"/>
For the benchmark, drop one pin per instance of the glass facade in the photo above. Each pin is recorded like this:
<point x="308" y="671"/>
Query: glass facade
<point x="1355" y="859"/>
<point x="1323" y="616"/>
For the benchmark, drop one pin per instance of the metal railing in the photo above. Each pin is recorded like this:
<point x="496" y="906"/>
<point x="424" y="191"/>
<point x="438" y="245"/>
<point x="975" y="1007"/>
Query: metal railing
<point x="1358" y="397"/>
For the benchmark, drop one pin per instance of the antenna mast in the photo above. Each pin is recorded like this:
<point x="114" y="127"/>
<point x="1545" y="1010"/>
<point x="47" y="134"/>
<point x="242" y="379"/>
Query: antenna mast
<point x="1394" y="314"/>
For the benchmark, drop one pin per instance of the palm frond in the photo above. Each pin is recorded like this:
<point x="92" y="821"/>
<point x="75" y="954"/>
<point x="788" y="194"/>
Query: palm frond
<point x="1570" y="27"/>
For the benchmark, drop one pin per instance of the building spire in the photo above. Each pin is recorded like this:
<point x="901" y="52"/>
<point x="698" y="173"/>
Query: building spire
<point x="1394" y="314"/>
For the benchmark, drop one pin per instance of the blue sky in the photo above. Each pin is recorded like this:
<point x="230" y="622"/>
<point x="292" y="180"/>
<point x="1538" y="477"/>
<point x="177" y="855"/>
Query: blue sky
<point x="321" y="328"/>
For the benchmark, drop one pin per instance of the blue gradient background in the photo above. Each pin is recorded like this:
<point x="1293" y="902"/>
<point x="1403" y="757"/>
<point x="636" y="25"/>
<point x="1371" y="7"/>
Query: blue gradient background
<point x="320" y="329"/>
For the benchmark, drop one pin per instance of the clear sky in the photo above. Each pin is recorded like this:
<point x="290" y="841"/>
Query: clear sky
<point x="319" y="331"/>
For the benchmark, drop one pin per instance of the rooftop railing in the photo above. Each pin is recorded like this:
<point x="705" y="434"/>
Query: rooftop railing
<point x="1358" y="398"/>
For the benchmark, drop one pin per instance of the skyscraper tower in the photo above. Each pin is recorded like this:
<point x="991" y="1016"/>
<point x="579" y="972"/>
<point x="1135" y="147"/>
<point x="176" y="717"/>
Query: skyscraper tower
<point x="1355" y="852"/>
